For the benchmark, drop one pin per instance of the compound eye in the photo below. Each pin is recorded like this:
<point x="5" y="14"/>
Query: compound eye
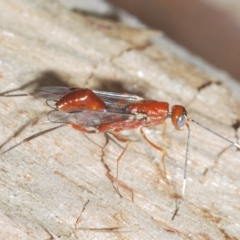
<point x="179" y="117"/>
<point x="181" y="122"/>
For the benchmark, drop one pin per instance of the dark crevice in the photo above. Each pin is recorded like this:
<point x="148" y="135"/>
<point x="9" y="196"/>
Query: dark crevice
<point x="236" y="125"/>
<point x="207" y="84"/>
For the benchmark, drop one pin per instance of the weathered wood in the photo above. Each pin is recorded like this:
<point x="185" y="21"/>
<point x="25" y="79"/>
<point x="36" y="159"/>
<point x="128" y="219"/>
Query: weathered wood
<point x="57" y="186"/>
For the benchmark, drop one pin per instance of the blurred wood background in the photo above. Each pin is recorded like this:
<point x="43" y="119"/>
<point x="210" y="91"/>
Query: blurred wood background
<point x="60" y="185"/>
<point x="210" y="29"/>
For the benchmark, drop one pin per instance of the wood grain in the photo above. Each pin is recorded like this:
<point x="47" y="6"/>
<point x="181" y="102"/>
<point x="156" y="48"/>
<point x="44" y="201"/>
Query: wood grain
<point x="59" y="186"/>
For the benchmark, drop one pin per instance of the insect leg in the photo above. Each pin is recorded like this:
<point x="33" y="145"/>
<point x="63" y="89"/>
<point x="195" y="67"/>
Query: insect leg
<point x="83" y="129"/>
<point x="157" y="147"/>
<point x="127" y="142"/>
<point x="28" y="139"/>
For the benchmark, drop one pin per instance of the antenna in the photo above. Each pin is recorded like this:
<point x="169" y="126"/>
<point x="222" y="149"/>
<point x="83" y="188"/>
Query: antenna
<point x="186" y="159"/>
<point x="184" y="175"/>
<point x="217" y="134"/>
<point x="15" y="95"/>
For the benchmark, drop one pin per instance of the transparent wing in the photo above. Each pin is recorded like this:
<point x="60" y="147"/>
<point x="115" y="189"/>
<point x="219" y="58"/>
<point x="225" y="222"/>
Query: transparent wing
<point x="111" y="99"/>
<point x="53" y="93"/>
<point x="89" y="118"/>
<point x="117" y="100"/>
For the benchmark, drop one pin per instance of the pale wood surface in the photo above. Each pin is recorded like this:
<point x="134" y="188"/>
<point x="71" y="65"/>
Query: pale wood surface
<point x="56" y="186"/>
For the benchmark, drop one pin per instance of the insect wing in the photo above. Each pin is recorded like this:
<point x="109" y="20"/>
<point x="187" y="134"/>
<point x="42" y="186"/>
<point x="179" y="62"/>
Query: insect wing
<point x="117" y="100"/>
<point x="111" y="99"/>
<point x="53" y="93"/>
<point x="89" y="118"/>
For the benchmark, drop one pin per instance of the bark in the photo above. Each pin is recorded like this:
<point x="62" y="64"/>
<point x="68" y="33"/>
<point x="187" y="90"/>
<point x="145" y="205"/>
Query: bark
<point x="61" y="185"/>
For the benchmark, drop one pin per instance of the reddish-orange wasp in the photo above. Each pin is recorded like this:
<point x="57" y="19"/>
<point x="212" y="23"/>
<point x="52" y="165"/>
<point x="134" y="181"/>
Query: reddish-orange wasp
<point x="92" y="111"/>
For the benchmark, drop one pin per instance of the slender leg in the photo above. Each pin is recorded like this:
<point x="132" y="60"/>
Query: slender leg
<point x="82" y="129"/>
<point x="119" y="158"/>
<point x="156" y="147"/>
<point x="28" y="139"/>
<point x="164" y="129"/>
